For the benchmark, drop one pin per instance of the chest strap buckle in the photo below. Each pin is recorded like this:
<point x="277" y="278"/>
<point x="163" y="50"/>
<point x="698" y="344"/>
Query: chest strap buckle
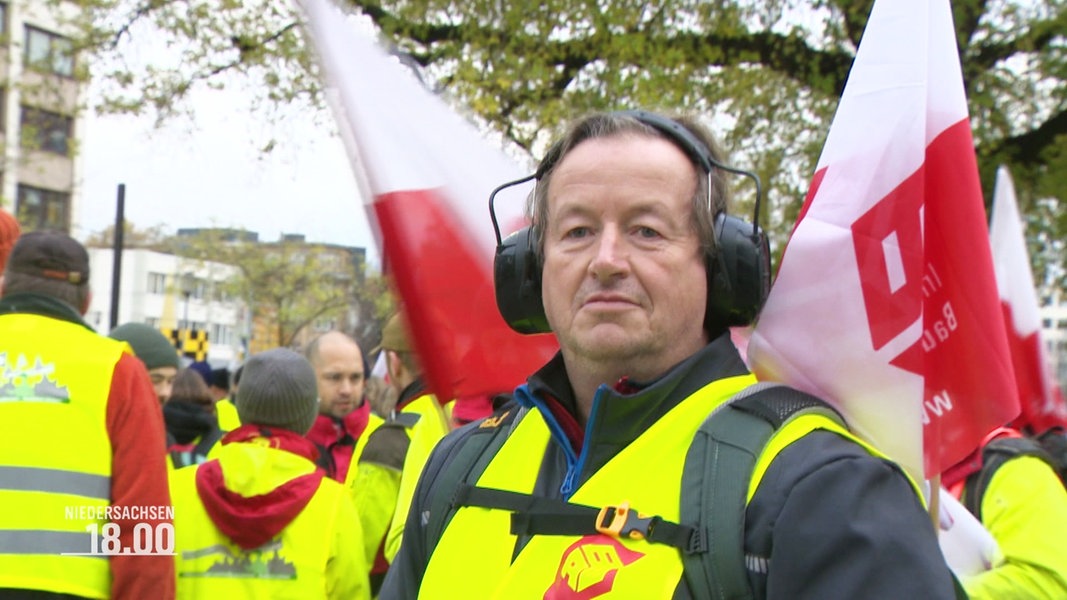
<point x="622" y="521"/>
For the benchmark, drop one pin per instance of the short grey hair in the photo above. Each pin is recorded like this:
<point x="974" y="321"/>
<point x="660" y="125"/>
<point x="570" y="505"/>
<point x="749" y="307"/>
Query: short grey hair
<point x="604" y="125"/>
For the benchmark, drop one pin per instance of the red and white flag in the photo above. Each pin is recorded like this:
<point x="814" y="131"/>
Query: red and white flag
<point x="885" y="302"/>
<point x="427" y="174"/>
<point x="1040" y="397"/>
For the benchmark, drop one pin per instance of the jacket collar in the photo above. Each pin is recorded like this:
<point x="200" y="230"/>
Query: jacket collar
<point x="413" y="390"/>
<point x="627" y="408"/>
<point x="41" y="304"/>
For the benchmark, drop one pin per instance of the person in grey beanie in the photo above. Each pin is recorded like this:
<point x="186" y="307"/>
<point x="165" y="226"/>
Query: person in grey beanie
<point x="261" y="503"/>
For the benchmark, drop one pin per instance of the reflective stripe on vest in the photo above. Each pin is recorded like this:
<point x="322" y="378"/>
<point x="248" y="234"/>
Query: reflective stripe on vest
<point x="55" y="481"/>
<point x="55" y="454"/>
<point x="646" y="474"/>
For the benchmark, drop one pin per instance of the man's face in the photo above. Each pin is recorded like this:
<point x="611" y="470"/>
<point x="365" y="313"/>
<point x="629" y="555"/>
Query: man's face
<point x="162" y="381"/>
<point x="339" y="370"/>
<point x="624" y="284"/>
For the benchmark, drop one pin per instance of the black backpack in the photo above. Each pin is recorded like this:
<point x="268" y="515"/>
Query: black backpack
<point x="994" y="455"/>
<point x="1054" y="443"/>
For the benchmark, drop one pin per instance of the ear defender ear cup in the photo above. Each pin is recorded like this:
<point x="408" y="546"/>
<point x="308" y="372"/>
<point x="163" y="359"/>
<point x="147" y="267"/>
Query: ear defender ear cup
<point x="739" y="274"/>
<point x="517" y="279"/>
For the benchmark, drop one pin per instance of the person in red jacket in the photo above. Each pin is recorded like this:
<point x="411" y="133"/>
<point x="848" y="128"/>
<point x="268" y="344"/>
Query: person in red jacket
<point x="343" y="410"/>
<point x="81" y="440"/>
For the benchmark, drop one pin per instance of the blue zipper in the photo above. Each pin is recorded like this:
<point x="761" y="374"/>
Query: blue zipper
<point x="574" y="469"/>
<point x="574" y="463"/>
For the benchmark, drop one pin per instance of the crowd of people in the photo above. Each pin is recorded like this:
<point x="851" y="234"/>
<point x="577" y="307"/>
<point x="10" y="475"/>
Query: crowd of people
<point x="642" y="461"/>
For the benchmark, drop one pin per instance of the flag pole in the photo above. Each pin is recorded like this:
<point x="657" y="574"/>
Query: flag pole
<point x="935" y="501"/>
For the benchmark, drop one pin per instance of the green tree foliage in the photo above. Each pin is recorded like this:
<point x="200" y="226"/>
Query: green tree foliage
<point x="152" y="238"/>
<point x="290" y="285"/>
<point x="767" y="74"/>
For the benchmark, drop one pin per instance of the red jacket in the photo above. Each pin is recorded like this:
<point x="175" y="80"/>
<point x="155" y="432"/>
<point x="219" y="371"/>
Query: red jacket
<point x="336" y="439"/>
<point x="138" y="476"/>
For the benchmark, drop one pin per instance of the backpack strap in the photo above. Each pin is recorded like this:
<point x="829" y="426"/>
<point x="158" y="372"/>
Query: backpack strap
<point x="206" y="442"/>
<point x="1054" y="442"/>
<point x="717" y="472"/>
<point x="538" y="515"/>
<point x="464" y="465"/>
<point x="994" y="455"/>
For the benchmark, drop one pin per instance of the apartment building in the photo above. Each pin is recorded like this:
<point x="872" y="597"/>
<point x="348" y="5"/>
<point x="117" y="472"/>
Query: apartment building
<point x="173" y="294"/>
<point x="41" y="82"/>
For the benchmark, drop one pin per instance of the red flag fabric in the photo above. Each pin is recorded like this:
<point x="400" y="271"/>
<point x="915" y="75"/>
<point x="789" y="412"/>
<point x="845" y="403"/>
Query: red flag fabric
<point x="427" y="174"/>
<point x="885" y="302"/>
<point x="1039" y="395"/>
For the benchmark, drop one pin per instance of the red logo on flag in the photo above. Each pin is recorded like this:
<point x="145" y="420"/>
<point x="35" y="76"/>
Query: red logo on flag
<point x="888" y="243"/>
<point x="588" y="568"/>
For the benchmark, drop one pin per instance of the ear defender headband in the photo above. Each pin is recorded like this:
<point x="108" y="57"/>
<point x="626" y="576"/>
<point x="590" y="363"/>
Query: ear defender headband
<point x="738" y="265"/>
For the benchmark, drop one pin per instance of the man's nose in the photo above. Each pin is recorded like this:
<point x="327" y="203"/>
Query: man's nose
<point x="610" y="258"/>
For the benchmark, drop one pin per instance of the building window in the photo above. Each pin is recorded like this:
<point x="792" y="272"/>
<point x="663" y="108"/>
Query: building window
<point x="39" y="208"/>
<point x="157" y="283"/>
<point x="45" y="51"/>
<point x="45" y="130"/>
<point x="3" y="22"/>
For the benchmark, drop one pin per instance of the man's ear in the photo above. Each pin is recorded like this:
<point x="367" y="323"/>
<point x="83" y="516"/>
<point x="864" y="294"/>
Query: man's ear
<point x="88" y="300"/>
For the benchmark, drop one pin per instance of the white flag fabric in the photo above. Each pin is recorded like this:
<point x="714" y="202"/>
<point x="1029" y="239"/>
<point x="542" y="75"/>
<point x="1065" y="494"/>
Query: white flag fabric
<point x="427" y="175"/>
<point x="884" y="303"/>
<point x="1040" y="398"/>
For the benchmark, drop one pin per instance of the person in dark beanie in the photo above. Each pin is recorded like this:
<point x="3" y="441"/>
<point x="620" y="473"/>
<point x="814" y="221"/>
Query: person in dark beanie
<point x="260" y="519"/>
<point x="155" y="351"/>
<point x="192" y="424"/>
<point x="222" y="392"/>
<point x="81" y="430"/>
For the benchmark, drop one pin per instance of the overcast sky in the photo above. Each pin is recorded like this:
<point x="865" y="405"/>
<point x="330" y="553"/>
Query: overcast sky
<point x="211" y="173"/>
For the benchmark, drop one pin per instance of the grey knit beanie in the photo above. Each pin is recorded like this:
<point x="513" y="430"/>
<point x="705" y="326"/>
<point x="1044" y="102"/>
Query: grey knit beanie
<point x="278" y="389"/>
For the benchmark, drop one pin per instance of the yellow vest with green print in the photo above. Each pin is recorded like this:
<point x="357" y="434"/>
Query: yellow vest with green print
<point x="295" y="564"/>
<point x="55" y="454"/>
<point x="644" y="479"/>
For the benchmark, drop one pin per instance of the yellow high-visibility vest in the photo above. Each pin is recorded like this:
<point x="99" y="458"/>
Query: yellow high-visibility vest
<point x="55" y="454"/>
<point x="318" y="555"/>
<point x="646" y="475"/>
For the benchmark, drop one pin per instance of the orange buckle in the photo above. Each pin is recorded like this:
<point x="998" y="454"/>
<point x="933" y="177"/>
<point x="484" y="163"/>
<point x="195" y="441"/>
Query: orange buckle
<point x="622" y="521"/>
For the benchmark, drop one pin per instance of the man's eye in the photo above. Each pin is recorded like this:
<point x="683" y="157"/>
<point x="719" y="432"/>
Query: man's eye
<point x="577" y="232"/>
<point x="647" y="232"/>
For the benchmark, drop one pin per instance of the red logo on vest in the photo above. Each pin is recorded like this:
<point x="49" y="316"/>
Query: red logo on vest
<point x="588" y="568"/>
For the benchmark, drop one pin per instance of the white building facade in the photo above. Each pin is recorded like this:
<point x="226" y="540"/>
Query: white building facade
<point x="1054" y="334"/>
<point x="41" y="83"/>
<point x="170" y="293"/>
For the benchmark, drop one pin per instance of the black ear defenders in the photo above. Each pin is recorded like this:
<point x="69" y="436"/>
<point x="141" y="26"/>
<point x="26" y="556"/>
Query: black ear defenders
<point x="738" y="267"/>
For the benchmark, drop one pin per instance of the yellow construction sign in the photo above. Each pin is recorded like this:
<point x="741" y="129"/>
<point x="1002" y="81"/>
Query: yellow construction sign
<point x="191" y="343"/>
